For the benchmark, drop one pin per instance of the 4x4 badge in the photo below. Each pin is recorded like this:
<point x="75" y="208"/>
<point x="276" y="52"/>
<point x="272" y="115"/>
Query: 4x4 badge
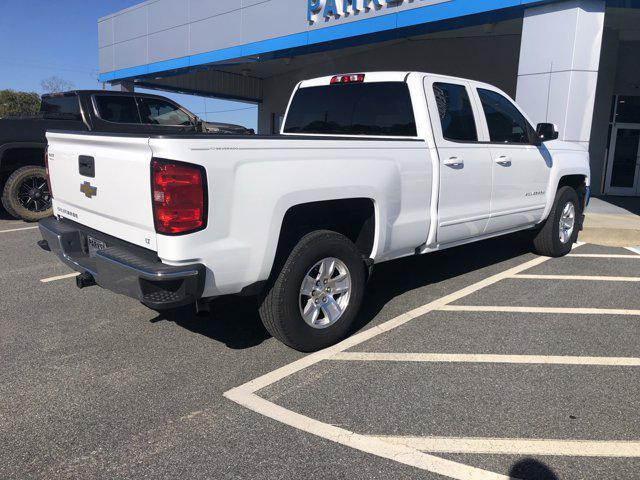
<point x="88" y="190"/>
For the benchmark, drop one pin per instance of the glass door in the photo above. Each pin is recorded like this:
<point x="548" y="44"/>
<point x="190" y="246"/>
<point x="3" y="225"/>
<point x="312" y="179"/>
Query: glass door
<point x="624" y="161"/>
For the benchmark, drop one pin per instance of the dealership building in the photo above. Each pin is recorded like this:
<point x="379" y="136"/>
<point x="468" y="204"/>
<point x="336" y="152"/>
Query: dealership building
<point x="573" y="63"/>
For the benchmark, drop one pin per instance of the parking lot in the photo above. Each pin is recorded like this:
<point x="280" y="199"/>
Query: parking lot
<point x="481" y="362"/>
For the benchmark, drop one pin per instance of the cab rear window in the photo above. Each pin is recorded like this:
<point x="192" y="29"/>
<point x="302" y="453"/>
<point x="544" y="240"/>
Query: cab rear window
<point x="382" y="109"/>
<point x="63" y="107"/>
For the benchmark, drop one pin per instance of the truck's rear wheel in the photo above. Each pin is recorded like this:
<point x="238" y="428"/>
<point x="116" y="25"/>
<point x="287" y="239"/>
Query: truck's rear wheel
<point x="26" y="194"/>
<point x="560" y="230"/>
<point x="313" y="301"/>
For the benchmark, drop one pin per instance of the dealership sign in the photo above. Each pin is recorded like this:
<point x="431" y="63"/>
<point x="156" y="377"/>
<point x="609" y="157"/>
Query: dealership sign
<point x="336" y="9"/>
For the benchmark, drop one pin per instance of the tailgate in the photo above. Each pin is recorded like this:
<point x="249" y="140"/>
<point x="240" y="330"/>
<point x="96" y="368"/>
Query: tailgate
<point x="103" y="182"/>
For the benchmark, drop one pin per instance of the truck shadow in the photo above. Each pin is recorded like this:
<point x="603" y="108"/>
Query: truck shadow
<point x="235" y="322"/>
<point x="531" y="469"/>
<point x="4" y="215"/>
<point x="232" y="320"/>
<point x="394" y="278"/>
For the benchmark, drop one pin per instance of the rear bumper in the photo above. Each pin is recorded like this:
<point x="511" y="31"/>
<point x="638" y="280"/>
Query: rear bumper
<point x="122" y="267"/>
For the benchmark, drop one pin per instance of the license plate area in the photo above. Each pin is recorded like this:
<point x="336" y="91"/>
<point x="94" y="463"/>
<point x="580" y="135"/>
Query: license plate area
<point x="94" y="245"/>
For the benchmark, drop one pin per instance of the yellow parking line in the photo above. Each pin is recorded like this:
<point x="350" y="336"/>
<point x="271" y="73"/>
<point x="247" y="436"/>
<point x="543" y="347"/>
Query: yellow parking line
<point x="17" y="229"/>
<point x="59" y="277"/>
<point x="486" y="358"/>
<point x="591" y="278"/>
<point x="519" y="446"/>
<point x="557" y="310"/>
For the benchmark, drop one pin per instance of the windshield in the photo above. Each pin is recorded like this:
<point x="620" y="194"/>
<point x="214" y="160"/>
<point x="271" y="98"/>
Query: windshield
<point x="160" y="112"/>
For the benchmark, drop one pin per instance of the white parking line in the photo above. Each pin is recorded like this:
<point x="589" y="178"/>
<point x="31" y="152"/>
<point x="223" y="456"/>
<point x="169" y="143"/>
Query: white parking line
<point x="393" y="451"/>
<point x="591" y="278"/>
<point x="59" y="277"/>
<point x="409" y="453"/>
<point x="635" y="250"/>
<point x="557" y="310"/>
<point x="604" y="255"/>
<point x="245" y="395"/>
<point x="17" y="229"/>
<point x="519" y="446"/>
<point x="486" y="358"/>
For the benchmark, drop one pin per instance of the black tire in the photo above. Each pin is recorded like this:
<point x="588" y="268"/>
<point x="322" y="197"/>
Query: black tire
<point x="280" y="308"/>
<point x="13" y="188"/>
<point x="547" y="241"/>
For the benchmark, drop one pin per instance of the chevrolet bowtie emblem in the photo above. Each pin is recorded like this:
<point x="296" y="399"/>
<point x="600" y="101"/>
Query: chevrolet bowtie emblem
<point x="88" y="190"/>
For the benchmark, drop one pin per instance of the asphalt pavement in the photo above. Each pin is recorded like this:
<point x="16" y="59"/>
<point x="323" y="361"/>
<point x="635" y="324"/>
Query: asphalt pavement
<point x="480" y="362"/>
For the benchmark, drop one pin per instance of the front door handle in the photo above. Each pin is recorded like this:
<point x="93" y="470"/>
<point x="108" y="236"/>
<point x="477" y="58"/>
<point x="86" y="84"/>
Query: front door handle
<point x="454" y="162"/>
<point x="503" y="160"/>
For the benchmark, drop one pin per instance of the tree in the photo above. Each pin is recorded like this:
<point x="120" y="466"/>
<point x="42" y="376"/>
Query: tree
<point x="56" y="84"/>
<point x="14" y="103"/>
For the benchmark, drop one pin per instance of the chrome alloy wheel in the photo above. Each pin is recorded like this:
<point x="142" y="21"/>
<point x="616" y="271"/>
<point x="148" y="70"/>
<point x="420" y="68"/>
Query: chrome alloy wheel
<point x="567" y="222"/>
<point x="325" y="293"/>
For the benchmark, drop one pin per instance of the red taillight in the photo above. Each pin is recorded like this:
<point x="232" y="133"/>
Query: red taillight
<point x="351" y="78"/>
<point x="46" y="169"/>
<point x="178" y="197"/>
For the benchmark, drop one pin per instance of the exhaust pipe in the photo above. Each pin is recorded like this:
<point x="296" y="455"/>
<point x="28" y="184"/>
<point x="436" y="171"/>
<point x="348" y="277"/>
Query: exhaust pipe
<point x="85" y="280"/>
<point x="202" y="308"/>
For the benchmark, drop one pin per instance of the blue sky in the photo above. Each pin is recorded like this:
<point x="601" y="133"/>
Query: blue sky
<point x="41" y="38"/>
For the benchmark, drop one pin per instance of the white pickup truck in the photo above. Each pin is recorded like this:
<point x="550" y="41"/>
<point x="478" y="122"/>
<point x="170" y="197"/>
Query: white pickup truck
<point x="368" y="168"/>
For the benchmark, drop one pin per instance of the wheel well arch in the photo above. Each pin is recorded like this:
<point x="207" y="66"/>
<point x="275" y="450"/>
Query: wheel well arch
<point x="578" y="182"/>
<point x="16" y="156"/>
<point x="354" y="218"/>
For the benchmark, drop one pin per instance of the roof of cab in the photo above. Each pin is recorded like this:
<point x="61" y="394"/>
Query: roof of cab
<point x="369" y="77"/>
<point x="101" y="92"/>
<point x="372" y="77"/>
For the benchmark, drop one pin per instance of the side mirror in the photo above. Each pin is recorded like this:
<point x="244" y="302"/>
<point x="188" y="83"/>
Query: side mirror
<point x="547" y="131"/>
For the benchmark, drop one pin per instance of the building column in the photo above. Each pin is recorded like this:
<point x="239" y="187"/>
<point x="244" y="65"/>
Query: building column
<point x="123" y="86"/>
<point x="559" y="60"/>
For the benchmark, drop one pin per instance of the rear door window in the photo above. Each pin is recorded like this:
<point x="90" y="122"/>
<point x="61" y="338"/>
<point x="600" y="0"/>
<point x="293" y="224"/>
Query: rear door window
<point x="117" y="108"/>
<point x="160" y="112"/>
<point x="455" y="112"/>
<point x="378" y="109"/>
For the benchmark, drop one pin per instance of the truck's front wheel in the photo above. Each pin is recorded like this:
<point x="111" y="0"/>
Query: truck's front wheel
<point x="313" y="301"/>
<point x="560" y="230"/>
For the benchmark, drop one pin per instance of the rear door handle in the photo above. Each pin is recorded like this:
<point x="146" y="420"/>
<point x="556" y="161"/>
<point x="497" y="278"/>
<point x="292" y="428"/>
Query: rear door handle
<point x="503" y="160"/>
<point x="454" y="162"/>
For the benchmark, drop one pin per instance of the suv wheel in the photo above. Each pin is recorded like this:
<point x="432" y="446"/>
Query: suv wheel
<point x="313" y="301"/>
